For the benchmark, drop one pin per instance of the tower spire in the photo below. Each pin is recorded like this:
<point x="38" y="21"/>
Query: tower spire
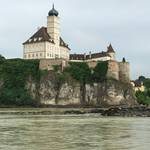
<point x="53" y="12"/>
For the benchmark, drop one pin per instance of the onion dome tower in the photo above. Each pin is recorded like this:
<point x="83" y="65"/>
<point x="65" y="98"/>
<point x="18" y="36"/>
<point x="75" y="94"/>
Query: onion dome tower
<point x="53" y="12"/>
<point x="53" y="25"/>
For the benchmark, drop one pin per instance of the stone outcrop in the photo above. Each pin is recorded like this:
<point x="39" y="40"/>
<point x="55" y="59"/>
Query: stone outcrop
<point x="50" y="91"/>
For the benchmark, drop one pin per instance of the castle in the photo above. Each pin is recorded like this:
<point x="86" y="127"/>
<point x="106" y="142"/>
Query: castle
<point x="48" y="46"/>
<point x="47" y="43"/>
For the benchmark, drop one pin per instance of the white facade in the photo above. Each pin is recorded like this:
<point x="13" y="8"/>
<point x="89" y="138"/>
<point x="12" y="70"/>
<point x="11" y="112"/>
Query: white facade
<point x="46" y="43"/>
<point x="53" y="28"/>
<point x="45" y="50"/>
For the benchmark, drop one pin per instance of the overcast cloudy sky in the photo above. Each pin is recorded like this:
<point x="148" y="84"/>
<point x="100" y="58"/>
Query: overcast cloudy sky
<point x="86" y="25"/>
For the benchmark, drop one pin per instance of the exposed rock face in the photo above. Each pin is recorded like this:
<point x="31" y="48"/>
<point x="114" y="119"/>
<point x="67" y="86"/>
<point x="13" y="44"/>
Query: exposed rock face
<point x="108" y="93"/>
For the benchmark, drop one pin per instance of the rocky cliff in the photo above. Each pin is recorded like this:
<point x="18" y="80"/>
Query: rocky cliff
<point x="50" y="90"/>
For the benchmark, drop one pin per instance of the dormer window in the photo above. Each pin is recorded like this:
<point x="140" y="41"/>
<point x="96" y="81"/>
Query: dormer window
<point x="30" y="40"/>
<point x="35" y="39"/>
<point x="40" y="38"/>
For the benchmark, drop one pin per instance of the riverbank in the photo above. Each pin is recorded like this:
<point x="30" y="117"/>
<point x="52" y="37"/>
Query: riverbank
<point x="116" y="111"/>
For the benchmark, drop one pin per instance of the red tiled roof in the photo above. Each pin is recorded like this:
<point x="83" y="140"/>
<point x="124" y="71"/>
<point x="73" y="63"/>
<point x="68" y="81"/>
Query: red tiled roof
<point x="77" y="57"/>
<point x="62" y="43"/>
<point x="42" y="36"/>
<point x="86" y="57"/>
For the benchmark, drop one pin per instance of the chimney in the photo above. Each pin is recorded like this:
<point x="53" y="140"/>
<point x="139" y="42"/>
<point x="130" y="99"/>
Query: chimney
<point x="84" y="56"/>
<point x="90" y="54"/>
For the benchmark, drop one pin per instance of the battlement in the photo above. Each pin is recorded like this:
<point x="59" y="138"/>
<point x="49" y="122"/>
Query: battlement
<point x="119" y="71"/>
<point x="116" y="70"/>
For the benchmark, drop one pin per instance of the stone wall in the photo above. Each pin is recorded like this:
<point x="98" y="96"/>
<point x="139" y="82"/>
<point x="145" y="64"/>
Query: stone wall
<point x="124" y="71"/>
<point x="92" y="64"/>
<point x="104" y="94"/>
<point x="116" y="70"/>
<point x="47" y="64"/>
<point x="113" y="70"/>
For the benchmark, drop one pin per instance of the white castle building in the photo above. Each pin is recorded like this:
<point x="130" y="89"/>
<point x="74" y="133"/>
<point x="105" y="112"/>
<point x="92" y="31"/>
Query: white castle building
<point x="47" y="43"/>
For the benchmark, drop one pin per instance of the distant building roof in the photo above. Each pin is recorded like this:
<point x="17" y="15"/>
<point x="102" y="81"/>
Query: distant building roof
<point x="110" y="49"/>
<point x="89" y="56"/>
<point x="137" y="83"/>
<point x="62" y="43"/>
<point x="97" y="55"/>
<point x="42" y="36"/>
<point x="77" y="57"/>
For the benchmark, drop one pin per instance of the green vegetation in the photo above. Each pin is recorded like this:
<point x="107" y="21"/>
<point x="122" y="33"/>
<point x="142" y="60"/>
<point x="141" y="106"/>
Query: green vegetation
<point x="2" y="58"/>
<point x="82" y="73"/>
<point x="144" y="97"/>
<point x="100" y="71"/>
<point x="13" y="76"/>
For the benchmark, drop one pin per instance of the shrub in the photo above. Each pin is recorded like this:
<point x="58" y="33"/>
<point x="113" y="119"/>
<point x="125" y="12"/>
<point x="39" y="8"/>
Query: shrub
<point x="14" y="73"/>
<point x="79" y="71"/>
<point x="143" y="98"/>
<point x="100" y="71"/>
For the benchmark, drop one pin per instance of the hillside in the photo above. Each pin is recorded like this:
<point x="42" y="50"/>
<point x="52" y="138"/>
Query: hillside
<point x="22" y="83"/>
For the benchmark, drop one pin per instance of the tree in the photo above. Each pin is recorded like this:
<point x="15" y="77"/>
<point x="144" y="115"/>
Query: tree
<point x="2" y="58"/>
<point x="143" y="98"/>
<point x="141" y="78"/>
<point x="147" y="83"/>
<point x="100" y="71"/>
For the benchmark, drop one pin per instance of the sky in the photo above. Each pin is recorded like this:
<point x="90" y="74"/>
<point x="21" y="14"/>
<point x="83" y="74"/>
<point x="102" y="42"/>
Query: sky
<point x="86" y="25"/>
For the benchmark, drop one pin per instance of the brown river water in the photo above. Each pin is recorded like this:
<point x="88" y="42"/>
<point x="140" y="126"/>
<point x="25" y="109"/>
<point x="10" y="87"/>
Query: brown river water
<point x="72" y="132"/>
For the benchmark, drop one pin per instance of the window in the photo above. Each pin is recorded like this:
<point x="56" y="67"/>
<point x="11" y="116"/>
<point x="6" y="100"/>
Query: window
<point x="30" y="40"/>
<point x="29" y="55"/>
<point x="56" y="56"/>
<point x="40" y="54"/>
<point x="47" y="54"/>
<point x="40" y="38"/>
<point x="36" y="54"/>
<point x="35" y="39"/>
<point x="32" y="55"/>
<point x="25" y="56"/>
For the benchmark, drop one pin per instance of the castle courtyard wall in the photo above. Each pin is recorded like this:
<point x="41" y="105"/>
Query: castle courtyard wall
<point x="113" y="70"/>
<point x="48" y="64"/>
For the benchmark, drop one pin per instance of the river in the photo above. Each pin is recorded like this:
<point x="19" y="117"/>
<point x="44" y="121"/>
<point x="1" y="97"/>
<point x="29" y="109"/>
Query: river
<point x="73" y="132"/>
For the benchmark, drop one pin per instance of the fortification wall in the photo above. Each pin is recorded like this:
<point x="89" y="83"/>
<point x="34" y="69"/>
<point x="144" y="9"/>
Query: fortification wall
<point x="124" y="71"/>
<point x="47" y="64"/>
<point x="113" y="70"/>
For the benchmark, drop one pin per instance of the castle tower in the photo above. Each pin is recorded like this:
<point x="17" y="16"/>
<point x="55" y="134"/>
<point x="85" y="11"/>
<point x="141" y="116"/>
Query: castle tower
<point x="113" y="70"/>
<point x="111" y="52"/>
<point x="53" y="25"/>
<point x="124" y="71"/>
